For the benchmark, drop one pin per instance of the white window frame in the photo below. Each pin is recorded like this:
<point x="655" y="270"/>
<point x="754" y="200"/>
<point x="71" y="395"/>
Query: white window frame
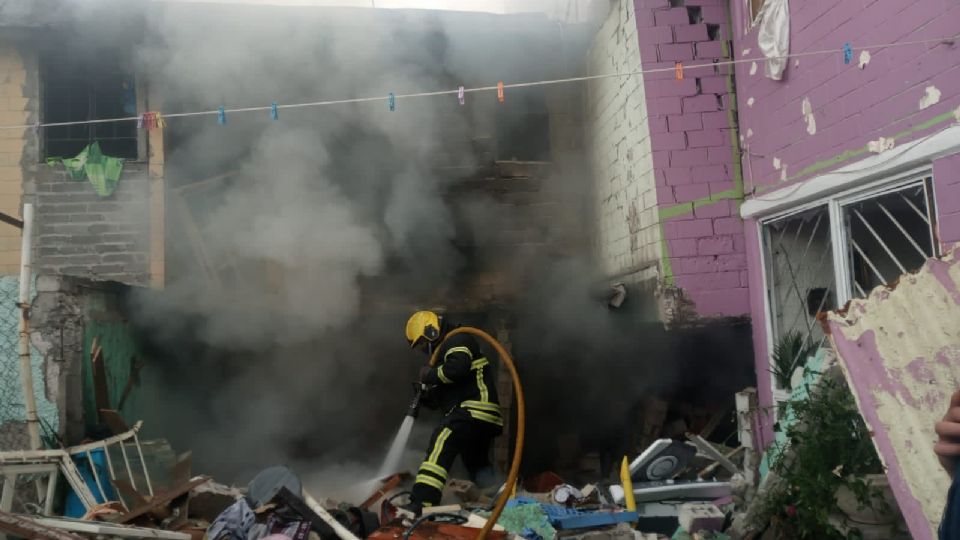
<point x="835" y="204"/>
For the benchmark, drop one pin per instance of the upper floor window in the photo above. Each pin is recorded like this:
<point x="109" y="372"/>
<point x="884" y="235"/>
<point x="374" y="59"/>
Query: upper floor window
<point x="79" y="86"/>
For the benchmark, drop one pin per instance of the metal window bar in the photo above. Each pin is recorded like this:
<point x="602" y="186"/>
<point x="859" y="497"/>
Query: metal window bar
<point x="880" y="241"/>
<point x="897" y="242"/>
<point x="791" y="275"/>
<point x="896" y="223"/>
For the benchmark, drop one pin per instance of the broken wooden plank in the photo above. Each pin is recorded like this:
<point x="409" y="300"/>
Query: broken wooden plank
<point x="134" y="380"/>
<point x="101" y="393"/>
<point x="24" y="527"/>
<point x="704" y="446"/>
<point x="160" y="502"/>
<point x="389" y="485"/>
<point x="710" y="468"/>
<point x="114" y="421"/>
<point x="297" y="504"/>
<point x="130" y="497"/>
<point x="110" y="529"/>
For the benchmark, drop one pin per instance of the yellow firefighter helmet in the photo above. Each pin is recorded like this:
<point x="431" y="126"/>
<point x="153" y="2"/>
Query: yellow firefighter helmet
<point x="423" y="325"/>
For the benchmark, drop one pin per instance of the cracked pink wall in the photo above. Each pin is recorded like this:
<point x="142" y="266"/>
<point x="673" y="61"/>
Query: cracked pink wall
<point x="693" y="153"/>
<point x="850" y="107"/>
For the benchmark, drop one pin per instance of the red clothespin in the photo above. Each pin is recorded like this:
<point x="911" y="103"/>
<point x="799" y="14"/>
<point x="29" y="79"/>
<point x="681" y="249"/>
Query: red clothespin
<point x="678" y="71"/>
<point x="500" y="91"/>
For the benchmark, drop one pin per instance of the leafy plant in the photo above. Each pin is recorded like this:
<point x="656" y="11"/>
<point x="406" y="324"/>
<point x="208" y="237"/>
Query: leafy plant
<point x="830" y="447"/>
<point x="790" y="352"/>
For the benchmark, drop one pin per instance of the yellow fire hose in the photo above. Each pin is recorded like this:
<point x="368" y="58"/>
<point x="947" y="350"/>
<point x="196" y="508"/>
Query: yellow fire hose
<point x="521" y="419"/>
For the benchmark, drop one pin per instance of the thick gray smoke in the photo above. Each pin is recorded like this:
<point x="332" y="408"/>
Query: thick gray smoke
<point x="297" y="247"/>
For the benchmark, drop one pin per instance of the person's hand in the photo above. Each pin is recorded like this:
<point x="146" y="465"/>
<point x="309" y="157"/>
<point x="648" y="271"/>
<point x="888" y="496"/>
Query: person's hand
<point x="948" y="447"/>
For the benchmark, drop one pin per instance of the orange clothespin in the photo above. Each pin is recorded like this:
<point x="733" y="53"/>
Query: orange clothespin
<point x="678" y="70"/>
<point x="500" y="91"/>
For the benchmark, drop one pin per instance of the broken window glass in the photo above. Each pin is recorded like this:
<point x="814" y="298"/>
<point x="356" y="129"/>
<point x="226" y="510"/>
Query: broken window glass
<point x="888" y="235"/>
<point x="80" y="86"/>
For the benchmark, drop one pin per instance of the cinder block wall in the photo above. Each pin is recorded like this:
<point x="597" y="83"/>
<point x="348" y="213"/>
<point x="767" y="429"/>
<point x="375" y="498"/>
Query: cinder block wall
<point x="619" y="146"/>
<point x="695" y="153"/>
<point x="946" y="178"/>
<point x="850" y="105"/>
<point x="14" y="109"/>
<point x="76" y="232"/>
<point x="79" y="233"/>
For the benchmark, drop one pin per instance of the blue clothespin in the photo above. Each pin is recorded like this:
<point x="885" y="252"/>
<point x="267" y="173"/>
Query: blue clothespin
<point x="274" y="113"/>
<point x="392" y="102"/>
<point x="460" y="96"/>
<point x="221" y="116"/>
<point x="847" y="52"/>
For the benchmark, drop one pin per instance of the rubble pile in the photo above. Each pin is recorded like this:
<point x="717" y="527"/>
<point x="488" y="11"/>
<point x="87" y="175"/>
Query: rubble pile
<point x="123" y="487"/>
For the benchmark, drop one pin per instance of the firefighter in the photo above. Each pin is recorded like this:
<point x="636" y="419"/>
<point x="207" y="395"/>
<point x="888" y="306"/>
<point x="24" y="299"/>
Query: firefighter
<point x="462" y="385"/>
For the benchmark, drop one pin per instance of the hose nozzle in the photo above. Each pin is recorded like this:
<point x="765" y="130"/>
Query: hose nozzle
<point x="414" y="408"/>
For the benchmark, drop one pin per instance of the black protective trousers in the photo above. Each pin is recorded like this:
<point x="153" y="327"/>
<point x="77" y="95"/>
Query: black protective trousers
<point x="468" y="438"/>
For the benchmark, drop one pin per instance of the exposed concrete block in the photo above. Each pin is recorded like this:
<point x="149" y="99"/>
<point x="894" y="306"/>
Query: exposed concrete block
<point x="690" y="33"/>
<point x="688" y="228"/>
<point x="696" y="517"/>
<point x="691" y="192"/>
<point x="705" y="103"/>
<point x="706" y="138"/>
<point x="656" y="35"/>
<point x="684" y="122"/>
<point x="676" y="52"/>
<point x="715" y="246"/>
<point x="689" y="158"/>
<point x="673" y="17"/>
<point x="728" y="225"/>
<point x="709" y="50"/>
<point x="48" y="283"/>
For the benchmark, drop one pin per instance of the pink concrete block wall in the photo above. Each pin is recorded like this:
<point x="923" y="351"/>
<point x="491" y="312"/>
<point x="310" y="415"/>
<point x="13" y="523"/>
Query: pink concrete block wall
<point x="704" y="235"/>
<point x="946" y="187"/>
<point x="850" y="107"/>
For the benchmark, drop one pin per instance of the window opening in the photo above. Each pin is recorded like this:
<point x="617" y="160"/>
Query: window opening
<point x="800" y="280"/>
<point x="82" y="86"/>
<point x="888" y="235"/>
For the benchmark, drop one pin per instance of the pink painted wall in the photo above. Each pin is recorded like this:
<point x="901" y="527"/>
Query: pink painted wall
<point x="694" y="156"/>
<point x="946" y="188"/>
<point x="851" y="107"/>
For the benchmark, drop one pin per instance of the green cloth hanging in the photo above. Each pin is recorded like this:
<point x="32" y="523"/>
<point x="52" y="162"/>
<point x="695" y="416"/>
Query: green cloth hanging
<point x="102" y="171"/>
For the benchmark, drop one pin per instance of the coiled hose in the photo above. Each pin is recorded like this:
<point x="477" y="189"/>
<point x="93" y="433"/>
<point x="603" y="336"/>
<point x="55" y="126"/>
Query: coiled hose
<point x="521" y="419"/>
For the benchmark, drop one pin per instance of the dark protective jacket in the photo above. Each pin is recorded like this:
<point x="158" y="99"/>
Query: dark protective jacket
<point x="464" y="381"/>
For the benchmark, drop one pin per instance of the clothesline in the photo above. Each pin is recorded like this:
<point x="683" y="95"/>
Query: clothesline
<point x="497" y="87"/>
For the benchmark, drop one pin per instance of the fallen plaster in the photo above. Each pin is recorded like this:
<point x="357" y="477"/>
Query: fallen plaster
<point x="864" y="59"/>
<point x="776" y="163"/>
<point x="746" y="52"/>
<point x="956" y="114"/>
<point x="900" y="352"/>
<point x="783" y="173"/>
<point x="881" y="145"/>
<point x="796" y="63"/>
<point x="753" y="68"/>
<point x="750" y="102"/>
<point x="930" y="97"/>
<point x="750" y="131"/>
<point x="807" y="109"/>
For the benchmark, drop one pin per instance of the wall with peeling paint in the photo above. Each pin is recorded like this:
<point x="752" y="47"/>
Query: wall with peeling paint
<point x="694" y="149"/>
<point x="825" y="114"/>
<point x="900" y="350"/>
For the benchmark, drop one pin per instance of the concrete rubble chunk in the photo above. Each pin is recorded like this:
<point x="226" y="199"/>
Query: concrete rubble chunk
<point x="697" y="517"/>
